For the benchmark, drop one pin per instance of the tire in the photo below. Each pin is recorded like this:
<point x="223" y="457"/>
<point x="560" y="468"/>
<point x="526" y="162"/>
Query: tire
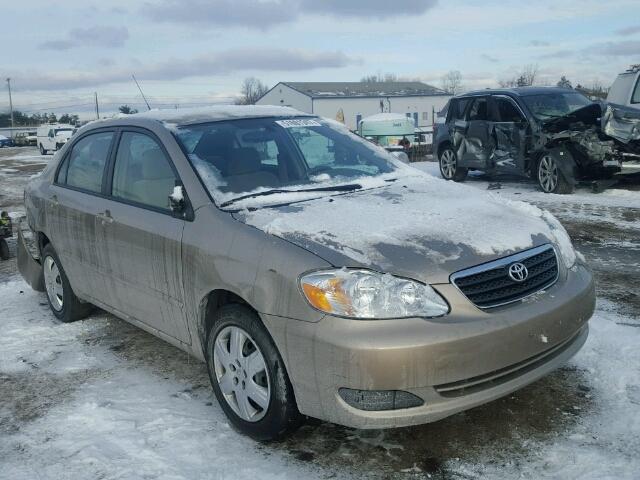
<point x="4" y="249"/>
<point x="449" y="169"/>
<point x="42" y="150"/>
<point x="550" y="177"/>
<point x="236" y="382"/>
<point x="63" y="302"/>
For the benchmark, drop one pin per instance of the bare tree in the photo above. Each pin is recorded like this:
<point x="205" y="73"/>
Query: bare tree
<point x="564" y="82"/>
<point x="452" y="82"/>
<point x="252" y="89"/>
<point x="127" y="110"/>
<point x="525" y="78"/>
<point x="380" y="78"/>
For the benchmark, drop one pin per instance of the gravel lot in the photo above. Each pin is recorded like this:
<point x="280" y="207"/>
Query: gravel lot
<point x="102" y="399"/>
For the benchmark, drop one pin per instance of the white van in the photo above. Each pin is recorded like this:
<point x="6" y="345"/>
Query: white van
<point x="52" y="137"/>
<point x="626" y="88"/>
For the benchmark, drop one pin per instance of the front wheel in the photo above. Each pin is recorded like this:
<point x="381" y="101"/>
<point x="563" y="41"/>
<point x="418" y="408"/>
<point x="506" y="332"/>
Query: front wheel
<point x="550" y="177"/>
<point x="449" y="168"/>
<point x="42" y="150"/>
<point x="248" y="375"/>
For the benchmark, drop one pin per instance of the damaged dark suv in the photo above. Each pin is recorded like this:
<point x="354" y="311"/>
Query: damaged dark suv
<point x="556" y="136"/>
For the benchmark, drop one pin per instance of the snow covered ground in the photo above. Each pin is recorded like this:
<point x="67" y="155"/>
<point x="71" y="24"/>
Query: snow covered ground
<point x="102" y="399"/>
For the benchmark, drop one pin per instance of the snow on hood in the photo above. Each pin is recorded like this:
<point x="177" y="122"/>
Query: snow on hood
<point x="419" y="226"/>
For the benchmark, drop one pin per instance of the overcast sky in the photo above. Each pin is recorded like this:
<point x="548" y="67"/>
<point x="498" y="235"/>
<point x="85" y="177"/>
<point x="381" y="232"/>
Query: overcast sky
<point x="198" y="51"/>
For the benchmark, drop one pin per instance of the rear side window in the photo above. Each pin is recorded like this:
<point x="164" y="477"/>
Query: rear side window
<point x="142" y="172"/>
<point x="478" y="110"/>
<point x="84" y="167"/>
<point x="506" y="111"/>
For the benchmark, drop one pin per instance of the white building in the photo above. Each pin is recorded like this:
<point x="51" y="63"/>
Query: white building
<point x="353" y="101"/>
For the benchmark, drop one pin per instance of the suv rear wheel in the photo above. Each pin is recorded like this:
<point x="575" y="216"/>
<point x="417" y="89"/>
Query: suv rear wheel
<point x="550" y="177"/>
<point x="449" y="166"/>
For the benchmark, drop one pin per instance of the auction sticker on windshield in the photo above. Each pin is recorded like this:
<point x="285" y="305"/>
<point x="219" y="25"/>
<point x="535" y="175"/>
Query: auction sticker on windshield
<point x="298" y="122"/>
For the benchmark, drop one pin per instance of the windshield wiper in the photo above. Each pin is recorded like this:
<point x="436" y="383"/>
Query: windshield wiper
<point x="337" y="188"/>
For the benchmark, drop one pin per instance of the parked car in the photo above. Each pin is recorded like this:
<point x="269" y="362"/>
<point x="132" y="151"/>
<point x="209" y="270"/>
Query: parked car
<point x="53" y="137"/>
<point x="554" y="135"/>
<point x="6" y="142"/>
<point x="626" y="88"/>
<point x="313" y="272"/>
<point x="24" y="139"/>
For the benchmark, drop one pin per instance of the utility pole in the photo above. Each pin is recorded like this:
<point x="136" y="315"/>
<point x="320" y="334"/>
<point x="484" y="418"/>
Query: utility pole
<point x="141" y="92"/>
<point x="95" y="95"/>
<point x="10" y="103"/>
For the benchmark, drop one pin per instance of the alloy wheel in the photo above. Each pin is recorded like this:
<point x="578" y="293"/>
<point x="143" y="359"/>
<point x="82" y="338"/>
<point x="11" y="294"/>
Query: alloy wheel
<point x="241" y="373"/>
<point x="448" y="164"/>
<point x="53" y="283"/>
<point x="548" y="173"/>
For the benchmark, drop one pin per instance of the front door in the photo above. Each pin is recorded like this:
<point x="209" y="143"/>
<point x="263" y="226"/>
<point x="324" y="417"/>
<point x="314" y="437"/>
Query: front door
<point x="141" y="238"/>
<point x="509" y="129"/>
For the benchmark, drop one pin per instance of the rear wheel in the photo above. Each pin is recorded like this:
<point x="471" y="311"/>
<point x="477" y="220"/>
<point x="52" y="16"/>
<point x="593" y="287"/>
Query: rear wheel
<point x="4" y="249"/>
<point x="63" y="302"/>
<point x="248" y="376"/>
<point x="449" y="168"/>
<point x="550" y="177"/>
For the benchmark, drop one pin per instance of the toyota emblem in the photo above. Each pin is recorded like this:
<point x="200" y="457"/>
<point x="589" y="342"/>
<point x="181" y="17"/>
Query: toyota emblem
<point x="518" y="272"/>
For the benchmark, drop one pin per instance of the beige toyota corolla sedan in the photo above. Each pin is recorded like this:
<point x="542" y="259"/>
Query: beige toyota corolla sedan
<point x="315" y="274"/>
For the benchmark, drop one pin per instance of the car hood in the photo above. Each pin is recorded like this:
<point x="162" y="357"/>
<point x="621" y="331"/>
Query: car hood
<point x="419" y="227"/>
<point x="615" y="121"/>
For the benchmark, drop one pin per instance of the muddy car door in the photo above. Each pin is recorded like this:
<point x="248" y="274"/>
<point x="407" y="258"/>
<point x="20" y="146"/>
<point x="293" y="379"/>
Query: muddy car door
<point x="141" y="237"/>
<point x="473" y="149"/>
<point x="76" y="197"/>
<point x="509" y="129"/>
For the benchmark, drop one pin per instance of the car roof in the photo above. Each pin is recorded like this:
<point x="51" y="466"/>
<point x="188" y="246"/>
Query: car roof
<point x="518" y="91"/>
<point x="190" y="116"/>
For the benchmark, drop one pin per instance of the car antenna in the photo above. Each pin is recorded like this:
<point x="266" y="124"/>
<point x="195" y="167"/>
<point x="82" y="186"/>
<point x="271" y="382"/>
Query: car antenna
<point x="141" y="92"/>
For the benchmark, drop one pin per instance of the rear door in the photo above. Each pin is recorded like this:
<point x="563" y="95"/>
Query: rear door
<point x="141" y="237"/>
<point x="476" y="149"/>
<point x="509" y="129"/>
<point x="76" y="197"/>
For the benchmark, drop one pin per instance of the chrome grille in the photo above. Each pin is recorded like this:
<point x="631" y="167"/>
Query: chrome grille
<point x="489" y="285"/>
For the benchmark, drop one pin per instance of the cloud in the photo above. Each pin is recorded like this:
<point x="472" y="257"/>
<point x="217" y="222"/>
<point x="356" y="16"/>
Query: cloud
<point x="539" y="43"/>
<point x="108" y="37"/>
<point x="625" y="48"/>
<point x="489" y="58"/>
<point x="264" y="14"/>
<point x="629" y="30"/>
<point x="217" y="63"/>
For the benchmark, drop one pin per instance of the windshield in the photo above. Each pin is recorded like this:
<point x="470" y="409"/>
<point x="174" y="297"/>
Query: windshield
<point x="259" y="156"/>
<point x="553" y="105"/>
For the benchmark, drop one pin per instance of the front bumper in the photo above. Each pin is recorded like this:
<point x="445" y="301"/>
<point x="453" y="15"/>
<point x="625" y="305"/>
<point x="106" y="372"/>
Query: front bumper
<point x="453" y="363"/>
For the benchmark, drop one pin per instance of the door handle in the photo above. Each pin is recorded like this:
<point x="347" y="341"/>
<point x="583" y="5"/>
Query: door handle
<point x="105" y="217"/>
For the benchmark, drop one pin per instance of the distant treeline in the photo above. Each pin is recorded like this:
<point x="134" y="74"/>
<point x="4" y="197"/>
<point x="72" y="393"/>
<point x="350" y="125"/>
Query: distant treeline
<point x="23" y="120"/>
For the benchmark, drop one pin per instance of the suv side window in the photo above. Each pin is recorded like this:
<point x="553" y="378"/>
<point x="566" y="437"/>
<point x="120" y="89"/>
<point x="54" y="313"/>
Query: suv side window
<point x="478" y="110"/>
<point x="457" y="108"/>
<point x="635" y="98"/>
<point x="84" y="166"/>
<point x="506" y="111"/>
<point x="142" y="171"/>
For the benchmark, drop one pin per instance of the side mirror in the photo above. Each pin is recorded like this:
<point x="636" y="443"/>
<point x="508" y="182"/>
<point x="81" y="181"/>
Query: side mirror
<point x="176" y="199"/>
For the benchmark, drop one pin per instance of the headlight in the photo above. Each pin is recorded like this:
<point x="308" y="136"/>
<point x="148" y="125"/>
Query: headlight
<point x="368" y="294"/>
<point x="562" y="239"/>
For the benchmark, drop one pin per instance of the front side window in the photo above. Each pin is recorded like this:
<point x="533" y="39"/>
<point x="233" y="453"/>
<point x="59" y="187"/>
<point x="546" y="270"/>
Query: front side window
<point x="248" y="155"/>
<point x="84" y="167"/>
<point x="507" y="111"/>
<point x="142" y="172"/>
<point x="478" y="110"/>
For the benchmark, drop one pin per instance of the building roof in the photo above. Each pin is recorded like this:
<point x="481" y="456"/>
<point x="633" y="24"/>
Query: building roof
<point x="363" y="89"/>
